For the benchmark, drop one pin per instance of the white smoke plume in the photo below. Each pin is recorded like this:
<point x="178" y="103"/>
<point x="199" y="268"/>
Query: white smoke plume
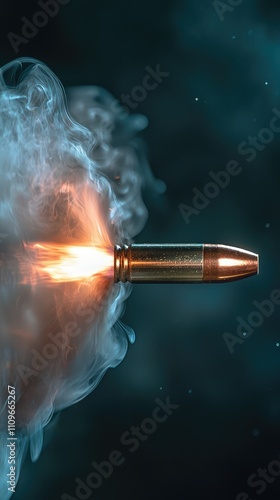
<point x="69" y="174"/>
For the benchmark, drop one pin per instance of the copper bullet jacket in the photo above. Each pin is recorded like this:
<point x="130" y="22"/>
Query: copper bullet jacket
<point x="183" y="263"/>
<point x="225" y="263"/>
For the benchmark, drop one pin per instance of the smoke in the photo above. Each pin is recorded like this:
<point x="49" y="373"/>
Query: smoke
<point x="65" y="182"/>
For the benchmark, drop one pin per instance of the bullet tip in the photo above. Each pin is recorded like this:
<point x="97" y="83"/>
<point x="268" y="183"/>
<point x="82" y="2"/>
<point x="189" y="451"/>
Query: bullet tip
<point x="226" y="263"/>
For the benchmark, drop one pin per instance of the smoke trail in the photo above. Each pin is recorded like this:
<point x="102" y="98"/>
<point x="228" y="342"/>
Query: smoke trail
<point x="61" y="181"/>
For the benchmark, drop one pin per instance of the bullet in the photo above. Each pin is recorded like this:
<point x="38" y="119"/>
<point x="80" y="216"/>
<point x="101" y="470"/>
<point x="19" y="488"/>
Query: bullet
<point x="183" y="263"/>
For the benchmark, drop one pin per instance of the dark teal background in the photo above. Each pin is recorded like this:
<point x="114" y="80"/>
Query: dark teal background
<point x="228" y="423"/>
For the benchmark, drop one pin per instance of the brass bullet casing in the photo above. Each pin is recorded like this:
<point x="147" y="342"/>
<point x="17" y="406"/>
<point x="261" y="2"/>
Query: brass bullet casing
<point x="183" y="263"/>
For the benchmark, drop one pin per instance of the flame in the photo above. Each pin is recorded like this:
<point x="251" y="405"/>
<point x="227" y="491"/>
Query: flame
<point x="66" y="263"/>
